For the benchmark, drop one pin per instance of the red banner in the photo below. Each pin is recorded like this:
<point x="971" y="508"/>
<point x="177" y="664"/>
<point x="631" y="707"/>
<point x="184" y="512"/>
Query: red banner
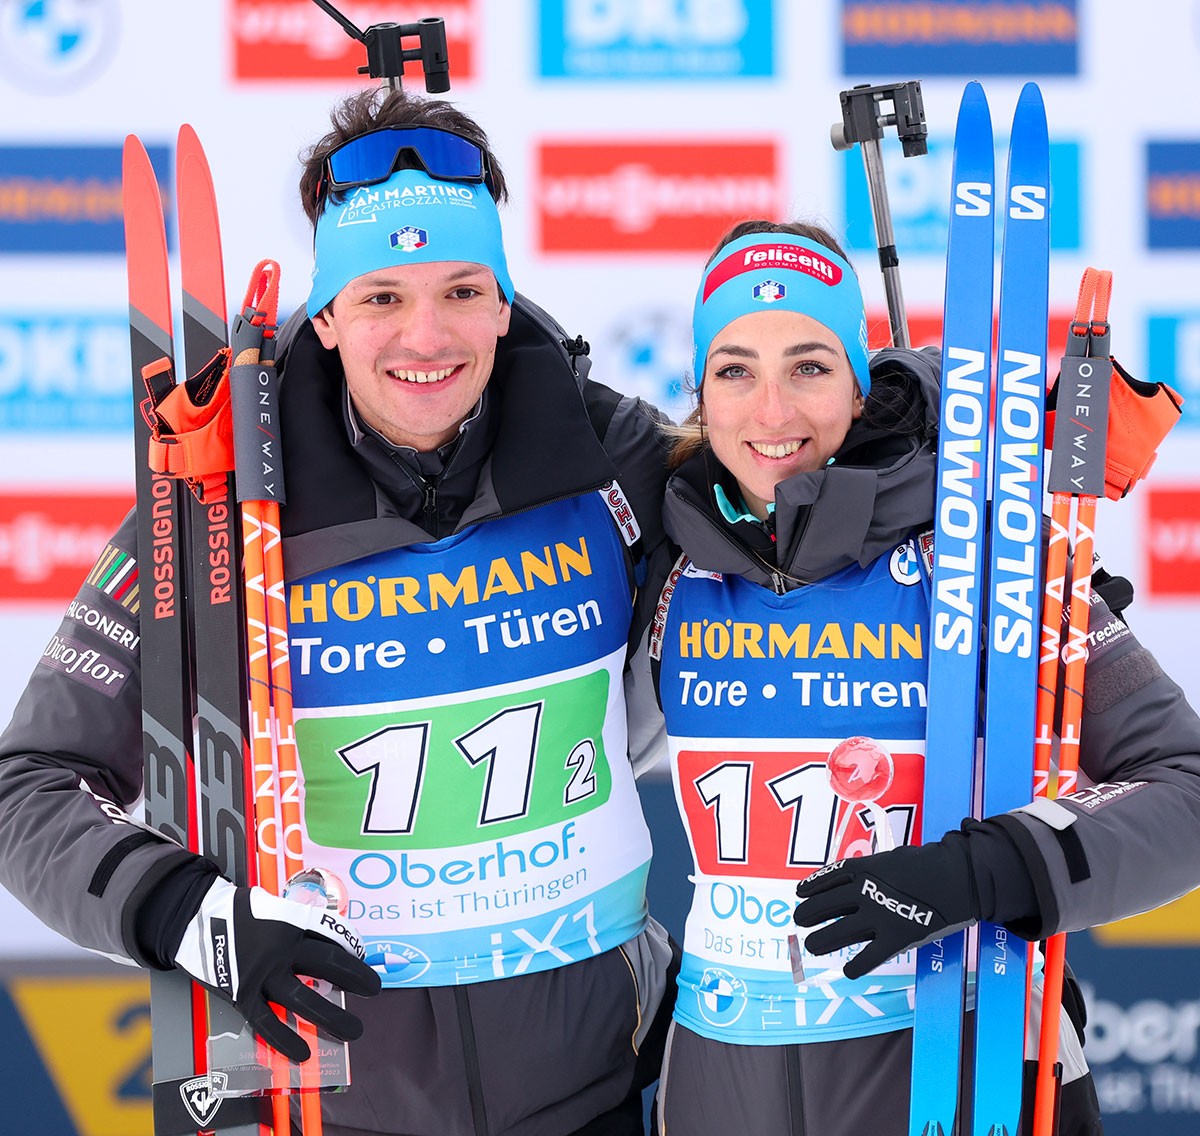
<point x="1173" y="540"/>
<point x="925" y="330"/>
<point x="294" y="39"/>
<point x="646" y="196"/>
<point x="48" y="541"/>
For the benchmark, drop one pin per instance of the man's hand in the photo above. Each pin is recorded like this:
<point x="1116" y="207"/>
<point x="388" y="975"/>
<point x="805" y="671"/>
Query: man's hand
<point x="892" y="900"/>
<point x="248" y="946"/>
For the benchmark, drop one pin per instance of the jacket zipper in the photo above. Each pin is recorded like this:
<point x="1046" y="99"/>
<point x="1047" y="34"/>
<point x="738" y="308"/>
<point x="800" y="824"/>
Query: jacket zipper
<point x="430" y="506"/>
<point x="776" y="576"/>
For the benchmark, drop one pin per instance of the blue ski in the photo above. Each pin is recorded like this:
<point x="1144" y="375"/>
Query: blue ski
<point x="1014" y="589"/>
<point x="959" y="533"/>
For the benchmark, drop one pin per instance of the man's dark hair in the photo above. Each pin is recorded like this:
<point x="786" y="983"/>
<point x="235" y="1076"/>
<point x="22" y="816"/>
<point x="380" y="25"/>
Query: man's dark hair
<point x="376" y="107"/>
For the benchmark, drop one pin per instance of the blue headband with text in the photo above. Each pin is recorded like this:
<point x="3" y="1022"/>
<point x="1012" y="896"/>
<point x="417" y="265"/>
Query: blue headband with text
<point x="409" y="219"/>
<point x="779" y="271"/>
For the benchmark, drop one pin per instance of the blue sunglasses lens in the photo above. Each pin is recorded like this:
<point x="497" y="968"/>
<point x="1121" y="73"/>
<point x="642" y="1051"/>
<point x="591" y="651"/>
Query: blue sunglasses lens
<point x="372" y="157"/>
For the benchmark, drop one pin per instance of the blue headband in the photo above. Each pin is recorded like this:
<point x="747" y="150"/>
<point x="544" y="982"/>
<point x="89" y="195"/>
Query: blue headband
<point x="409" y="219"/>
<point x="779" y="271"/>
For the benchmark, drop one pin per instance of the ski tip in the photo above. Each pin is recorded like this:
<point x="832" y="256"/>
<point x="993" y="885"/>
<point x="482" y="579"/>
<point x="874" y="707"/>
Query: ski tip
<point x="1029" y="119"/>
<point x="188" y="138"/>
<point x="974" y="115"/>
<point x="973" y="95"/>
<point x="1031" y="95"/>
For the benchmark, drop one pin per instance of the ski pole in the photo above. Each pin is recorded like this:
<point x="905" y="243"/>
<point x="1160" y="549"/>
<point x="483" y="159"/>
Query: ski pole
<point x="260" y="489"/>
<point x="863" y="123"/>
<point x="1084" y="382"/>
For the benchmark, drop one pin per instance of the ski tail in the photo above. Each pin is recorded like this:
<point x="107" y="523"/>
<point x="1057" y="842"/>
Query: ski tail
<point x="178" y="1052"/>
<point x="1013" y="588"/>
<point x="218" y="605"/>
<point x="957" y="597"/>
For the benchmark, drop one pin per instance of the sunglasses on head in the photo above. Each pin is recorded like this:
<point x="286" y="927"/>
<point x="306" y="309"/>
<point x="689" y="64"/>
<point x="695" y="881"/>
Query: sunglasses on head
<point x="373" y="157"/>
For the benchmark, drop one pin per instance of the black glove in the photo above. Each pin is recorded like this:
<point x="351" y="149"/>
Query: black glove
<point x="248" y="946"/>
<point x="899" y="899"/>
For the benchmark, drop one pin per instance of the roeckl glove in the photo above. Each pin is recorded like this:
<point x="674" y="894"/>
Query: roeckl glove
<point x="892" y="900"/>
<point x="248" y="946"/>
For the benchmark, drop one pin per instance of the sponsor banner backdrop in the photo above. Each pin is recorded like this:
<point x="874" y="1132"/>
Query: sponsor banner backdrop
<point x="64" y="199"/>
<point x="64" y="372"/>
<point x="1173" y="541"/>
<point x="295" y="40"/>
<point x="1173" y="356"/>
<point x="638" y="196"/>
<point x="49" y="541"/>
<point x="1173" y="195"/>
<point x="918" y="191"/>
<point x="960" y="37"/>
<point x="695" y="39"/>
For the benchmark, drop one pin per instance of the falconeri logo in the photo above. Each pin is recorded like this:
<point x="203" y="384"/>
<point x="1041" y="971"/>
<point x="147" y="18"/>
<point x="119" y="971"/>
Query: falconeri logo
<point x="409" y="239"/>
<point x="202" y="1096"/>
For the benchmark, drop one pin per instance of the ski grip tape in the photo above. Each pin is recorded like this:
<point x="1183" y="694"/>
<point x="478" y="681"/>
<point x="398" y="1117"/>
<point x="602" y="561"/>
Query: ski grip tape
<point x="1080" y="426"/>
<point x="255" y="400"/>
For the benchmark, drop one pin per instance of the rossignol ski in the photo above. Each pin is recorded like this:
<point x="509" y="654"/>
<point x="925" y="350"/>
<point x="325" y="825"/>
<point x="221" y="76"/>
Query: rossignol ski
<point x="957" y="593"/>
<point x="1014" y="589"/>
<point x="187" y="632"/>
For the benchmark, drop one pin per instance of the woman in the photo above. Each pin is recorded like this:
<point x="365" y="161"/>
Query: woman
<point x="789" y="654"/>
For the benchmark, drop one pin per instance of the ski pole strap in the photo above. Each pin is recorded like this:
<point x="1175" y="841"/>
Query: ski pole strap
<point x="254" y="383"/>
<point x="1140" y="414"/>
<point x="191" y="425"/>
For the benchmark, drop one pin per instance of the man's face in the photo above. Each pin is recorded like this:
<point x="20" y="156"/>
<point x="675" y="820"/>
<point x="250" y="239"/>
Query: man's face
<point x="417" y="344"/>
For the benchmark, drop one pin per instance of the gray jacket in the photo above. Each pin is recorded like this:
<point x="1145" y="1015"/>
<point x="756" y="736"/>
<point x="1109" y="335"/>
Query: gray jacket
<point x="1130" y="840"/>
<point x="433" y="1060"/>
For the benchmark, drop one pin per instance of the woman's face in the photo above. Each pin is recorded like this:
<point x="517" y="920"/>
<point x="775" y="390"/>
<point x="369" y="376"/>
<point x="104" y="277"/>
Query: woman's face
<point x="778" y="397"/>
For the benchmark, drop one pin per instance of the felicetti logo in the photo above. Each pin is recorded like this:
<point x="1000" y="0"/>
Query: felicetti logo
<point x="651" y="196"/>
<point x="1173" y="520"/>
<point x="960" y="37"/>
<point x="1173" y="194"/>
<point x="49" y="541"/>
<point x="65" y="199"/>
<point x="294" y="39"/>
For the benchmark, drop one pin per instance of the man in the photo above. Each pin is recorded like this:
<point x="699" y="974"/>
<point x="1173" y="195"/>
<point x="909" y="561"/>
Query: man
<point x="468" y="521"/>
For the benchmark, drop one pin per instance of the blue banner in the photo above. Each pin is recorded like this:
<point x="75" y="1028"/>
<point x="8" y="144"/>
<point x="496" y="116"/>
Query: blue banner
<point x="608" y="39"/>
<point x="959" y="37"/>
<point x="66" y="199"/>
<point x="1173" y="195"/>
<point x="67" y="372"/>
